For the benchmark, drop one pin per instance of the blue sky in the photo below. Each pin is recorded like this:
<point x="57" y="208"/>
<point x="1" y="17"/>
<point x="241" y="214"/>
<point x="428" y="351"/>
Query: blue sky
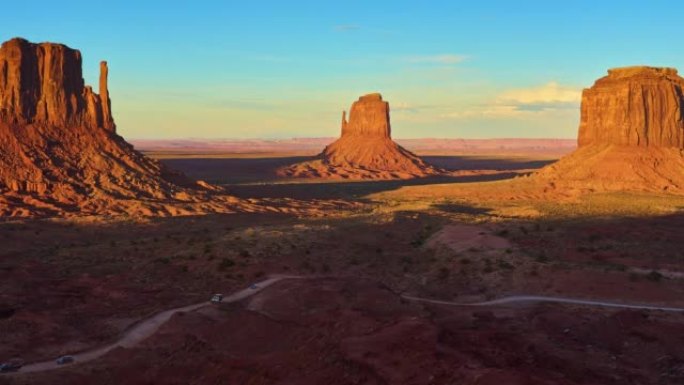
<point x="280" y="69"/>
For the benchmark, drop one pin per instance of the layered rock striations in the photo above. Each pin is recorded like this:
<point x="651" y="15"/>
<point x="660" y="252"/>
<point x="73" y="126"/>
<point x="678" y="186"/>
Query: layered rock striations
<point x="365" y="149"/>
<point x="640" y="106"/>
<point x="43" y="84"/>
<point x="59" y="151"/>
<point x="631" y="134"/>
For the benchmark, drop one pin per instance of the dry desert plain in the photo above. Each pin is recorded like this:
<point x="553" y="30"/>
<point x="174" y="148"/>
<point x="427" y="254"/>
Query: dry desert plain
<point x="72" y="284"/>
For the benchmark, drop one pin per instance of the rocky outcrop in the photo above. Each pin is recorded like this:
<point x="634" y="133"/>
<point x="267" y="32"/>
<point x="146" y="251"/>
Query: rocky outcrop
<point x="368" y="117"/>
<point x="631" y="135"/>
<point x="43" y="84"/>
<point x="59" y="151"/>
<point x="365" y="149"/>
<point x="640" y="106"/>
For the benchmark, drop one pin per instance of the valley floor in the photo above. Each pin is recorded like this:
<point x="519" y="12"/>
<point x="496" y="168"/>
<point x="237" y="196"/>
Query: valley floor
<point x="67" y="285"/>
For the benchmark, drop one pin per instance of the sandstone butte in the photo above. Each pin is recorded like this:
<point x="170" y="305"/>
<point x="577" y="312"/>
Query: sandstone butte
<point x="365" y="149"/>
<point x="631" y="135"/>
<point x="59" y="151"/>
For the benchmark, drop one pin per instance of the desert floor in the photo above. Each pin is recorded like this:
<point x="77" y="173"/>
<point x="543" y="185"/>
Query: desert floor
<point x="68" y="285"/>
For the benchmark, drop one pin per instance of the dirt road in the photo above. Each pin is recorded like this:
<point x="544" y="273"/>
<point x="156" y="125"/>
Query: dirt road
<point x="145" y="328"/>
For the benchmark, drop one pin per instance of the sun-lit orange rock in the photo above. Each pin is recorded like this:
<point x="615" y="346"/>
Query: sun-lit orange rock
<point x="43" y="83"/>
<point x="639" y="106"/>
<point x="631" y="135"/>
<point x="365" y="149"/>
<point x="59" y="150"/>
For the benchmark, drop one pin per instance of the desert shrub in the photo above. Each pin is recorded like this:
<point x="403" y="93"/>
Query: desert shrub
<point x="163" y="260"/>
<point x="594" y="237"/>
<point x="443" y="273"/>
<point x="541" y="258"/>
<point x="306" y="265"/>
<point x="654" y="276"/>
<point x="226" y="263"/>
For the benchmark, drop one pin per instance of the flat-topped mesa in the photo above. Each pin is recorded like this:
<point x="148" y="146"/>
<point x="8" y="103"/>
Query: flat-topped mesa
<point x="369" y="117"/>
<point x="637" y="106"/>
<point x="43" y="84"/>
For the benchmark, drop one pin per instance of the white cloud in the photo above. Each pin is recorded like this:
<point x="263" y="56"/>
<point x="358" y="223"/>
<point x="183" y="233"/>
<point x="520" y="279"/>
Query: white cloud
<point x="437" y="59"/>
<point x="551" y="92"/>
<point x="529" y="102"/>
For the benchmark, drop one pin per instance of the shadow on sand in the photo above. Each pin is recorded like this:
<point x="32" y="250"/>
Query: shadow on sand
<point x="256" y="177"/>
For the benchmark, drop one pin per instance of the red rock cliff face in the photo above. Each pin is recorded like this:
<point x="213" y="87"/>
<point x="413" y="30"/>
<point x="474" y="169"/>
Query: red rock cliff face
<point x="59" y="152"/>
<point x="631" y="135"/>
<point x="639" y="106"/>
<point x="43" y="84"/>
<point x="369" y="116"/>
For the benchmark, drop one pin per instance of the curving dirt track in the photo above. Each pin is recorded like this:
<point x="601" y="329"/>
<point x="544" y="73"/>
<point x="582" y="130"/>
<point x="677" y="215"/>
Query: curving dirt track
<point x="147" y="327"/>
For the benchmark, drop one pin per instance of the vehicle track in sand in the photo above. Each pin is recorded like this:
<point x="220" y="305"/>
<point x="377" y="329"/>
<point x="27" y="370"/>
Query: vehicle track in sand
<point x="147" y="327"/>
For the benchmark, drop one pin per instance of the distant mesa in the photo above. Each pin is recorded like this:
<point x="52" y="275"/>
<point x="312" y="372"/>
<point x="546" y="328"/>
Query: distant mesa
<point x="59" y="151"/>
<point x="365" y="149"/>
<point x="631" y="134"/>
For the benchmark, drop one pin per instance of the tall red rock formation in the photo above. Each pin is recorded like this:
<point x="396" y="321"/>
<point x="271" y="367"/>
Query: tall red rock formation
<point x="107" y="120"/>
<point x="631" y="134"/>
<point x="639" y="106"/>
<point x="59" y="152"/>
<point x="369" y="117"/>
<point x="43" y="84"/>
<point x="365" y="149"/>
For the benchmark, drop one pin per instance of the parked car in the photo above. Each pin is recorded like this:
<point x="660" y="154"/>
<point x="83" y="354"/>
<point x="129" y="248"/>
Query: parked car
<point x="11" y="366"/>
<point x="253" y="286"/>
<point x="216" y="298"/>
<point x="63" y="360"/>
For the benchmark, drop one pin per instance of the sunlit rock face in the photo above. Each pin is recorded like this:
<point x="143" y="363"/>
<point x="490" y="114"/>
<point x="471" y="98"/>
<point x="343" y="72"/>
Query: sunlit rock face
<point x="640" y="106"/>
<point x="43" y="83"/>
<point x="365" y="149"/>
<point x="631" y="135"/>
<point x="59" y="150"/>
<point x="369" y="117"/>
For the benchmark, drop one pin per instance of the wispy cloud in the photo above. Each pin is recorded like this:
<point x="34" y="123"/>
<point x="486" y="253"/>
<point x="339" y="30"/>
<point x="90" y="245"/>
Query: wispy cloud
<point x="346" y="27"/>
<point x="523" y="102"/>
<point x="484" y="111"/>
<point x="551" y="92"/>
<point x="443" y="59"/>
